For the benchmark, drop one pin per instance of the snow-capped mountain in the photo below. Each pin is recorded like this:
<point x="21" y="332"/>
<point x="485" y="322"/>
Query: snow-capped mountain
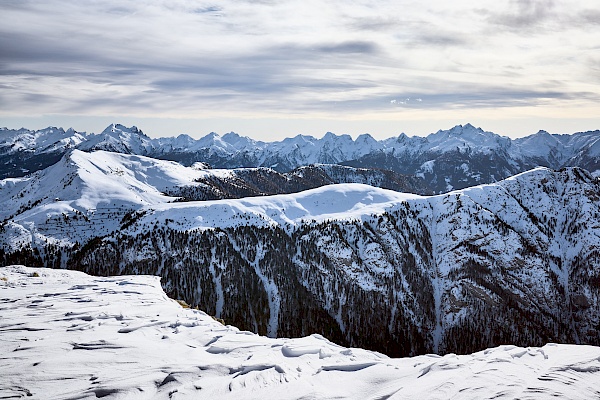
<point x="23" y="151"/>
<point x="68" y="335"/>
<point x="460" y="157"/>
<point x="119" y="139"/>
<point x="47" y="140"/>
<point x="512" y="262"/>
<point x="94" y="185"/>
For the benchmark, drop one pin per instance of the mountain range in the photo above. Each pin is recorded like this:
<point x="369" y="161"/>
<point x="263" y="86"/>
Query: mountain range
<point x="457" y="158"/>
<point x="516" y="261"/>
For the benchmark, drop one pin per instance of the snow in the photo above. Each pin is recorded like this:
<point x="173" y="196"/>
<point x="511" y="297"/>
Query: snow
<point x="67" y="335"/>
<point x="92" y="183"/>
<point x="425" y="168"/>
<point x="42" y="141"/>
<point x="96" y="185"/>
<point x="119" y="138"/>
<point x="331" y="202"/>
<point x="540" y="144"/>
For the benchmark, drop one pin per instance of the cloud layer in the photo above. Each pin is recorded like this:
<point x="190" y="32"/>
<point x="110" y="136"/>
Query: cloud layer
<point x="196" y="59"/>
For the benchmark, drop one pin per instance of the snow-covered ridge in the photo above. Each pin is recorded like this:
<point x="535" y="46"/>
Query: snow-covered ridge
<point x="100" y="188"/>
<point x="333" y="202"/>
<point x="67" y="335"/>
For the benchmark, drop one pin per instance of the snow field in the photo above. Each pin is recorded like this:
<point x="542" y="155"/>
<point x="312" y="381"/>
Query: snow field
<point x="67" y="335"/>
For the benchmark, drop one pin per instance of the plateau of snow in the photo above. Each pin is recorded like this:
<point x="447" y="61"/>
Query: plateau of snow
<point x="68" y="335"/>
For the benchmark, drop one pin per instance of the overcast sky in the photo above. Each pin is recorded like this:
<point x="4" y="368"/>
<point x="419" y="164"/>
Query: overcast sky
<point x="270" y="69"/>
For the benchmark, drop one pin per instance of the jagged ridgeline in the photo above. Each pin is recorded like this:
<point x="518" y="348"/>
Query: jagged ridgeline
<point x="515" y="262"/>
<point x="456" y="158"/>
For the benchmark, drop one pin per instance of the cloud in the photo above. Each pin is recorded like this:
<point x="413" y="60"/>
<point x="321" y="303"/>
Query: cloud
<point x="525" y="14"/>
<point x="180" y="58"/>
<point x="349" y="47"/>
<point x="440" y="39"/>
<point x="376" y="23"/>
<point x="587" y="17"/>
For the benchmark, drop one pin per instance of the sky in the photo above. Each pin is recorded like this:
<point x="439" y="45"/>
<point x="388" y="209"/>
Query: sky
<point x="269" y="69"/>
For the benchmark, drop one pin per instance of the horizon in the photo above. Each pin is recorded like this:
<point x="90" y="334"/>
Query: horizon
<point x="274" y="69"/>
<point x="154" y="135"/>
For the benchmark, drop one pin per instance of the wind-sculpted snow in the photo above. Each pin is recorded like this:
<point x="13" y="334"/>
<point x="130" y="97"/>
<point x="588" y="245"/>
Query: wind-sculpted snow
<point x="67" y="335"/>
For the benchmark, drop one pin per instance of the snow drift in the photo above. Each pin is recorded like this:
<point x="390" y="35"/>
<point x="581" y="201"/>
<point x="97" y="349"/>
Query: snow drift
<point x="67" y="335"/>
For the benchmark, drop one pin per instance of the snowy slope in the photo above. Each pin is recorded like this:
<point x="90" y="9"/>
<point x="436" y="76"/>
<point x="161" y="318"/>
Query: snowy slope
<point x="332" y="202"/>
<point x="92" y="192"/>
<point x="67" y="335"/>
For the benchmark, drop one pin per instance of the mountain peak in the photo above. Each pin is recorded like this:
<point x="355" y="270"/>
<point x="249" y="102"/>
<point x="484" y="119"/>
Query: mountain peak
<point x="238" y="141"/>
<point x="231" y="136"/>
<point x="365" y="137"/>
<point x="120" y="139"/>
<point x="459" y="130"/>
<point x="118" y="128"/>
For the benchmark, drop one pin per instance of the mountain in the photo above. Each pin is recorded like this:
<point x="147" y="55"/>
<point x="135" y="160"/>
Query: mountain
<point x="119" y="139"/>
<point x="512" y="262"/>
<point x="23" y="151"/>
<point x="457" y="158"/>
<point x="121" y="337"/>
<point x="246" y="182"/>
<point x="102" y="184"/>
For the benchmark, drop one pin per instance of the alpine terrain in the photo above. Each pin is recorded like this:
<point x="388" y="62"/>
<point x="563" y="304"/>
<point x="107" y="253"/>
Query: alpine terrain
<point x="457" y="158"/>
<point x="513" y="262"/>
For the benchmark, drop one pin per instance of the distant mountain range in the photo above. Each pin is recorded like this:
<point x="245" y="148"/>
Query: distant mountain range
<point x="448" y="159"/>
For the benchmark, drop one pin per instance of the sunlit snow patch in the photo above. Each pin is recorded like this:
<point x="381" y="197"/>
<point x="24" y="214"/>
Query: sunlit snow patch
<point x="67" y="335"/>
